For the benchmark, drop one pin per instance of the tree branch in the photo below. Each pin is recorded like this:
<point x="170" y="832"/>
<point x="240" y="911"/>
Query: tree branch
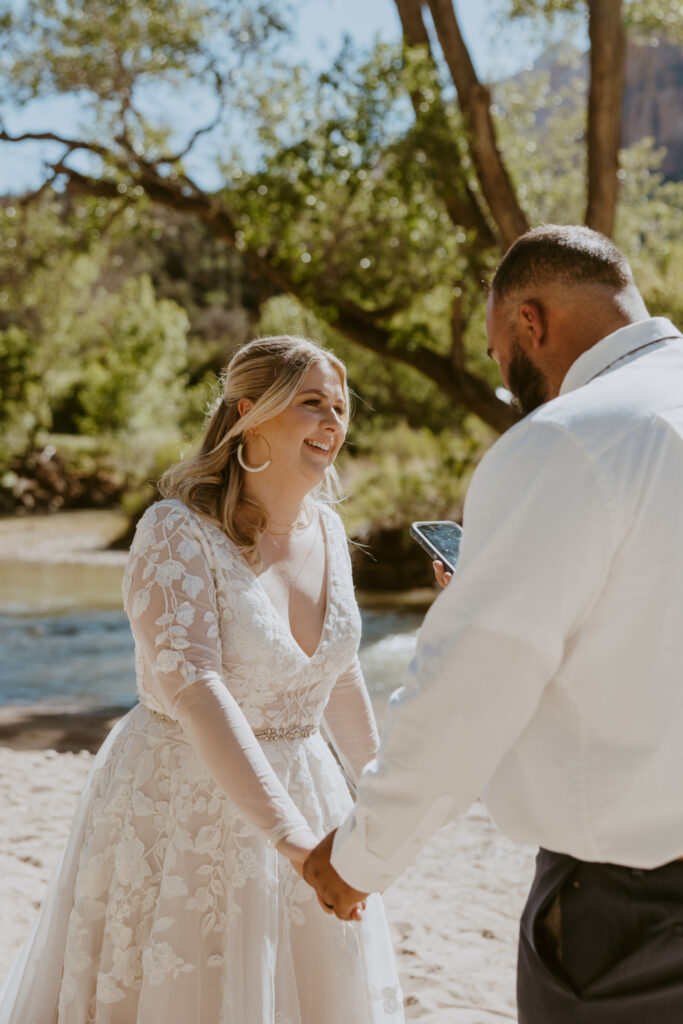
<point x="71" y="144"/>
<point x="475" y="103"/>
<point x="121" y="139"/>
<point x="174" y="158"/>
<point x="607" y="72"/>
<point x="208" y="127"/>
<point x="27" y="200"/>
<point x="466" y="389"/>
<point x="460" y="201"/>
<point x="81" y="184"/>
<point x="358" y="325"/>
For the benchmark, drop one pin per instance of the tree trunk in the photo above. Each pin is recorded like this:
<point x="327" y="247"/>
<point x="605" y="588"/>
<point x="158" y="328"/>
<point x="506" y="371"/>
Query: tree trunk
<point x="607" y="67"/>
<point x="475" y="103"/>
<point x="462" y="205"/>
<point x="414" y="29"/>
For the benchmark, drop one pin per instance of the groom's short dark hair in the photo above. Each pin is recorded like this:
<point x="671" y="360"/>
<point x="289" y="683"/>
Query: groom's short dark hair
<point x="564" y="253"/>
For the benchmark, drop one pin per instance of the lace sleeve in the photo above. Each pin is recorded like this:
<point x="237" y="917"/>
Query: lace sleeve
<point x="170" y="599"/>
<point x="349" y="719"/>
<point x="350" y="722"/>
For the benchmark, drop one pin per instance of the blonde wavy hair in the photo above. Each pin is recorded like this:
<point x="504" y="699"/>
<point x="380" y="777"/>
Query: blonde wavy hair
<point x="269" y="372"/>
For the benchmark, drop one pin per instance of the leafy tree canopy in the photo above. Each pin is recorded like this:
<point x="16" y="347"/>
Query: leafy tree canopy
<point x="377" y="196"/>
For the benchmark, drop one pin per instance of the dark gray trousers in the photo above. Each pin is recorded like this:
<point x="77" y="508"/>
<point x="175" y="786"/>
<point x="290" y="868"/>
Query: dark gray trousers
<point x="601" y="944"/>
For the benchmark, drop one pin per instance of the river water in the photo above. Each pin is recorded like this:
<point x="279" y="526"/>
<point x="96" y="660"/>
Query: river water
<point x="65" y="642"/>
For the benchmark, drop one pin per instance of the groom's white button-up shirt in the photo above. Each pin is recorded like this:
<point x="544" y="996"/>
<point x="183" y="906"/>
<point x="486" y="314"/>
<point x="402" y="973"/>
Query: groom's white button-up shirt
<point x="548" y="675"/>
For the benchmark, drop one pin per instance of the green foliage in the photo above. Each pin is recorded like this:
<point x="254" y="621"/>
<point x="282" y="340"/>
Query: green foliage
<point x="132" y="349"/>
<point x="22" y="407"/>
<point x="337" y="206"/>
<point x="650" y="229"/>
<point x="400" y="474"/>
<point x="542" y="132"/>
<point x="117" y="45"/>
<point x="384" y="393"/>
<point x="148" y="78"/>
<point x="547" y="9"/>
<point x="354" y="210"/>
<point x="82" y="352"/>
<point x="660" y="18"/>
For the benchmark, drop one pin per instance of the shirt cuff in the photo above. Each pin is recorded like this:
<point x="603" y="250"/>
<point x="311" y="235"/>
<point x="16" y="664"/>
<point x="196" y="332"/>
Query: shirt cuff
<point x="354" y="859"/>
<point x="358" y="867"/>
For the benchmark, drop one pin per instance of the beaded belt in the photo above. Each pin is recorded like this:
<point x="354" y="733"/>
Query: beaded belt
<point x="289" y="732"/>
<point x="160" y="714"/>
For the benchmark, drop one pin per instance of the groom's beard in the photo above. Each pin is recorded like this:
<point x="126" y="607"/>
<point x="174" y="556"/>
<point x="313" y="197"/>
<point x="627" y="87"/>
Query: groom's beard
<point x="526" y="381"/>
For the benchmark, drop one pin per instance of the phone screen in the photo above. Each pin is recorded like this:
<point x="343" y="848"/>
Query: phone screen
<point x="444" y="537"/>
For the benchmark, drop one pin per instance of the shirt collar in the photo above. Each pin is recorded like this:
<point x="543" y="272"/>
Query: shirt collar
<point x="614" y="347"/>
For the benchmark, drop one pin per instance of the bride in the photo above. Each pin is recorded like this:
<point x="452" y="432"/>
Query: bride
<point x="178" y="899"/>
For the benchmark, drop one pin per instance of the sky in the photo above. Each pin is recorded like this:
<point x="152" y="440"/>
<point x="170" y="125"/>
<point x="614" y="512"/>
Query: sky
<point x="325" y="21"/>
<point x="321" y="27"/>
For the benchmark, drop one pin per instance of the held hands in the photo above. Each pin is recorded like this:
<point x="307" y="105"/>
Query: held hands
<point x="442" y="577"/>
<point x="299" y="851"/>
<point x="334" y="895"/>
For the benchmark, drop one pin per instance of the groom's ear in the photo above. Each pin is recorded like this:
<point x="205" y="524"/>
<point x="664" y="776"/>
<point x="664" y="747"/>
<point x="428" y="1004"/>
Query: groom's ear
<point x="531" y="325"/>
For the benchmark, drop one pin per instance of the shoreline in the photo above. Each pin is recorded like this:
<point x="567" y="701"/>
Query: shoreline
<point x="41" y="727"/>
<point x="36" y="550"/>
<point x="78" y="536"/>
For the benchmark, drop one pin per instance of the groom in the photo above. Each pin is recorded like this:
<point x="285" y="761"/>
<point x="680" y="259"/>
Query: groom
<point x="549" y="674"/>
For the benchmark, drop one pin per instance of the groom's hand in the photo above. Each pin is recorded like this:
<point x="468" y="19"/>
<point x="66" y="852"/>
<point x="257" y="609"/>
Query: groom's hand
<point x="443" y="578"/>
<point x="335" y="896"/>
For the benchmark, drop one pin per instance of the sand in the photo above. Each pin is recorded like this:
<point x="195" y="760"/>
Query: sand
<point x="453" y="915"/>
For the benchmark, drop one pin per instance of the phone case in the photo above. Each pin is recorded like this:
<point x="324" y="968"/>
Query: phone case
<point x="426" y="545"/>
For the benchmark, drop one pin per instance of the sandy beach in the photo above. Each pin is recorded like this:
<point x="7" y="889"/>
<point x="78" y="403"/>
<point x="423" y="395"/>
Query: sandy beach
<point x="454" y="914"/>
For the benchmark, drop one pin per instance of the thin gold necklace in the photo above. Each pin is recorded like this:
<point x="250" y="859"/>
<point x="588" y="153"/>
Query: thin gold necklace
<point x="296" y="527"/>
<point x="293" y="578"/>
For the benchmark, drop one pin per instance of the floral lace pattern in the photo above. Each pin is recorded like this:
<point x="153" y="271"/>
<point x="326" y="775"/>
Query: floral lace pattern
<point x="182" y="911"/>
<point x="257" y="647"/>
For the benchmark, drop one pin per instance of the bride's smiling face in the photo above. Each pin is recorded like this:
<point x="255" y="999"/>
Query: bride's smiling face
<point x="304" y="438"/>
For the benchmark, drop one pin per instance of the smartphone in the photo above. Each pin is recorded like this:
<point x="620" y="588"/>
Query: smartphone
<point x="440" y="539"/>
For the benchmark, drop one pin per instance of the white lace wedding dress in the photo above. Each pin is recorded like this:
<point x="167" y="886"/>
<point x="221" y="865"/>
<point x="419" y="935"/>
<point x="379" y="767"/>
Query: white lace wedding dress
<point x="171" y="904"/>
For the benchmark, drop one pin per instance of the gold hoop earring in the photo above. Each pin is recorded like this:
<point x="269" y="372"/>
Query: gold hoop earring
<point x="251" y="469"/>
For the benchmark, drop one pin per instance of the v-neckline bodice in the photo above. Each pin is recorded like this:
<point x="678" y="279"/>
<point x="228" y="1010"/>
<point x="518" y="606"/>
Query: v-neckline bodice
<point x="286" y="626"/>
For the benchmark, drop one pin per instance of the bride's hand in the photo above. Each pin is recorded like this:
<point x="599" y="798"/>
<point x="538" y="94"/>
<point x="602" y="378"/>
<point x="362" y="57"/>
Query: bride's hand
<point x="443" y="578"/>
<point x="334" y="894"/>
<point x="296" y="853"/>
<point x="297" y="850"/>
